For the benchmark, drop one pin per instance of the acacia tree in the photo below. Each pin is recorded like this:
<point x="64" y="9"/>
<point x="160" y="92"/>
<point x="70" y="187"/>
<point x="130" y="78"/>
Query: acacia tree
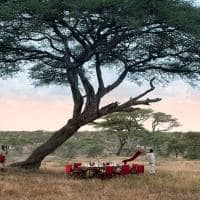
<point x="163" y="122"/>
<point x="193" y="145"/>
<point x="62" y="41"/>
<point x="176" y="144"/>
<point x="124" y="125"/>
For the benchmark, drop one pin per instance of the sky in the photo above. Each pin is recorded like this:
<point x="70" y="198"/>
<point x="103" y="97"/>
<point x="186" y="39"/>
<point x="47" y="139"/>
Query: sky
<point x="26" y="107"/>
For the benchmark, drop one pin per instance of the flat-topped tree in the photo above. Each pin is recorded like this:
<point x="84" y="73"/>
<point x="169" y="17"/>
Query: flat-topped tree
<point x="65" y="40"/>
<point x="163" y="122"/>
<point x="124" y="126"/>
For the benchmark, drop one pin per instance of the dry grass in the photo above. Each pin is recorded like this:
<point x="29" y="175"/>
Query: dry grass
<point x="178" y="180"/>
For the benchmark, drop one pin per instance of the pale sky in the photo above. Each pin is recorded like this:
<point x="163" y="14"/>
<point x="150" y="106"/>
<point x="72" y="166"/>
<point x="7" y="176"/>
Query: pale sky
<point x="24" y="107"/>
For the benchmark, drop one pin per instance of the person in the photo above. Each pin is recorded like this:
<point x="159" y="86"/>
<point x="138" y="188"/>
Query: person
<point x="3" y="153"/>
<point x="152" y="161"/>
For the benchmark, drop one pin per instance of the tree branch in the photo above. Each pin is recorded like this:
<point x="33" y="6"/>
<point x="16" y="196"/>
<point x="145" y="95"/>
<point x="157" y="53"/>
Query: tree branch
<point x="77" y="34"/>
<point x="90" y="93"/>
<point x="77" y="97"/>
<point x="172" y="70"/>
<point x="147" y="91"/>
<point x="72" y="74"/>
<point x="22" y="51"/>
<point x="99" y="76"/>
<point x="115" y="84"/>
<point x="115" y="107"/>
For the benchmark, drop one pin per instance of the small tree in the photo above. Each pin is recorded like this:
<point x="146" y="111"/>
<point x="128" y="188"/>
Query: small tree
<point x="163" y="122"/>
<point x="192" y="145"/>
<point x="176" y="144"/>
<point x="95" y="151"/>
<point x="65" y="41"/>
<point x="125" y="125"/>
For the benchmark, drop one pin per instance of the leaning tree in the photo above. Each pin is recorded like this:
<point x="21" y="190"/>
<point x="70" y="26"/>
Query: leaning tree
<point x="70" y="42"/>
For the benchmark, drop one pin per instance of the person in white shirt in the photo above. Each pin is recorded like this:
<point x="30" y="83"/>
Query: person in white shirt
<point x="152" y="161"/>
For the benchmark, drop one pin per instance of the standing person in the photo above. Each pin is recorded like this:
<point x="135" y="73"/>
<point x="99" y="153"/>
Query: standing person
<point x="152" y="161"/>
<point x="3" y="153"/>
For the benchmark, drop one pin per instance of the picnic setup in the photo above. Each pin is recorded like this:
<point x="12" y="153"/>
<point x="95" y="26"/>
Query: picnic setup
<point x="105" y="170"/>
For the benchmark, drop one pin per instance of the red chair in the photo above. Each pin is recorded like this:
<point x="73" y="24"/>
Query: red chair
<point x="68" y="169"/>
<point x="2" y="158"/>
<point x="134" y="168"/>
<point x="109" y="171"/>
<point x="76" y="165"/>
<point x="125" y="170"/>
<point x="140" y="169"/>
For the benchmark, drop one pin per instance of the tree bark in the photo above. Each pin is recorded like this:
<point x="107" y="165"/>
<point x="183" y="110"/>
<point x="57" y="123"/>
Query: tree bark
<point x="58" y="138"/>
<point x="176" y="152"/>
<point x="120" y="149"/>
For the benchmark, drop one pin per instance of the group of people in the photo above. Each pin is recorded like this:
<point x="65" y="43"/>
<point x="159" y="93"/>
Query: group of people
<point x="150" y="157"/>
<point x="100" y="164"/>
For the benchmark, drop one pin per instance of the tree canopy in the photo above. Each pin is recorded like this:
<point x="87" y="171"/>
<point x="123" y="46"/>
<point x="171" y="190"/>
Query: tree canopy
<point x="142" y="37"/>
<point x="163" y="122"/>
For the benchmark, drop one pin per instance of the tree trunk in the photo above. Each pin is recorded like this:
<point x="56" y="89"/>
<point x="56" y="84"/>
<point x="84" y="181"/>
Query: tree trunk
<point x="58" y="138"/>
<point x="120" y="149"/>
<point x="176" y="152"/>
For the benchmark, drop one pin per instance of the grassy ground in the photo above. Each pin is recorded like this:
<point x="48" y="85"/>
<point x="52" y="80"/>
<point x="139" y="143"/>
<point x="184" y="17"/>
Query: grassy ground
<point x="178" y="180"/>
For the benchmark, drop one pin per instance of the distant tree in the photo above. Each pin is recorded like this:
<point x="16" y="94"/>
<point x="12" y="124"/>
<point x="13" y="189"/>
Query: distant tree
<point x="176" y="144"/>
<point x="64" y="42"/>
<point x="163" y="122"/>
<point x="95" y="151"/>
<point x="125" y="125"/>
<point x="192" y="140"/>
<point x="70" y="151"/>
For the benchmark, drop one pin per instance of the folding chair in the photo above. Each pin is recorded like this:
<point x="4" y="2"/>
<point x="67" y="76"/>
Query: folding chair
<point x="68" y="170"/>
<point x="125" y="170"/>
<point x="134" y="168"/>
<point x="140" y="169"/>
<point x="108" y="173"/>
<point x="76" y="165"/>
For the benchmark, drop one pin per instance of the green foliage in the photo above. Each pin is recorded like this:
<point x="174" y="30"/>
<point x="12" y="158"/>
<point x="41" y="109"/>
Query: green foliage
<point x="40" y="71"/>
<point x="176" y="144"/>
<point x="125" y="125"/>
<point x="30" y="33"/>
<point x="193" y="145"/>
<point x="95" y="144"/>
<point x="179" y="14"/>
<point x="95" y="151"/>
<point x="67" y="151"/>
<point x="128" y="128"/>
<point x="163" y="122"/>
